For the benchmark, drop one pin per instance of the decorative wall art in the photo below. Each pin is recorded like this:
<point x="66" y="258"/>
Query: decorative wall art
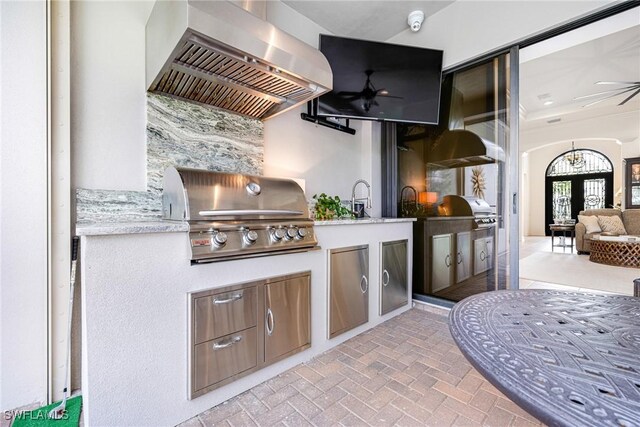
<point x="478" y="182"/>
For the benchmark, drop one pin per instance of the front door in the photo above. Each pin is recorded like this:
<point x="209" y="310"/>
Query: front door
<point x="577" y="180"/>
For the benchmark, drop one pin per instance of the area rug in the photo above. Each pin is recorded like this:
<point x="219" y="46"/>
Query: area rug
<point x="577" y="270"/>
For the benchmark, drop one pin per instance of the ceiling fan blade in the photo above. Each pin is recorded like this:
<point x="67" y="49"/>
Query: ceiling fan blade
<point x="608" y="97"/>
<point x="630" y="96"/>
<point x="601" y="93"/>
<point x="618" y="83"/>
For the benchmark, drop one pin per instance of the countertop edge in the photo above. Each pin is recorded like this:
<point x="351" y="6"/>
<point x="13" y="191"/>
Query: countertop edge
<point x="141" y="227"/>
<point x="114" y="228"/>
<point x="363" y="221"/>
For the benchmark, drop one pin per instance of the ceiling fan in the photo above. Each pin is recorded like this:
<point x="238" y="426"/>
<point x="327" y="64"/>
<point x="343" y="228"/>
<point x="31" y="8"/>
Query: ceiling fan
<point x="625" y="87"/>
<point x="368" y="94"/>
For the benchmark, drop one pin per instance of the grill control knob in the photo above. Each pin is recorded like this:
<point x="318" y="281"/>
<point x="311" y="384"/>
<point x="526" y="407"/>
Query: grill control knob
<point x="220" y="239"/>
<point x="250" y="237"/>
<point x="292" y="233"/>
<point x="302" y="232"/>
<point x="277" y="234"/>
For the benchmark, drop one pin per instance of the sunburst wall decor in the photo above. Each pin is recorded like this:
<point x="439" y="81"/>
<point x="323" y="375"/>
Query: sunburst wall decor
<point x="478" y="182"/>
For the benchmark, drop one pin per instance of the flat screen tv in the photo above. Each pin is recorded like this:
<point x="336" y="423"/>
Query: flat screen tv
<point x="381" y="81"/>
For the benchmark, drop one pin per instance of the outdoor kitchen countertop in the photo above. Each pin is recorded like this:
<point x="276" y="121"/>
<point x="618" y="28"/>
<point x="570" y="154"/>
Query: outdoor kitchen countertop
<point x="136" y="227"/>
<point x="362" y="221"/>
<point x="109" y="228"/>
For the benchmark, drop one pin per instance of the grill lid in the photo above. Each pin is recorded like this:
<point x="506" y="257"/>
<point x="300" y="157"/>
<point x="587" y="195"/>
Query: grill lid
<point x="453" y="205"/>
<point x="216" y="53"/>
<point x="199" y="195"/>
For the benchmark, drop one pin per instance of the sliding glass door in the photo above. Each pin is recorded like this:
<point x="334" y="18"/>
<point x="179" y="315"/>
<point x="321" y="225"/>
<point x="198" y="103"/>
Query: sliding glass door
<point x="460" y="179"/>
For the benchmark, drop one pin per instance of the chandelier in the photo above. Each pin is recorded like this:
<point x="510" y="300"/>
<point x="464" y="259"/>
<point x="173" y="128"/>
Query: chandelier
<point x="575" y="158"/>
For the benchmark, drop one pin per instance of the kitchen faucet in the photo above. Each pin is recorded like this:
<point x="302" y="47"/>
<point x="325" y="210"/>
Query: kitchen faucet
<point x="402" y="200"/>
<point x="353" y="195"/>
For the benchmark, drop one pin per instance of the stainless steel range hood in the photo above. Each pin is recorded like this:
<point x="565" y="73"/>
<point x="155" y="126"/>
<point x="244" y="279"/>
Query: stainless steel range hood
<point x="462" y="148"/>
<point x="218" y="54"/>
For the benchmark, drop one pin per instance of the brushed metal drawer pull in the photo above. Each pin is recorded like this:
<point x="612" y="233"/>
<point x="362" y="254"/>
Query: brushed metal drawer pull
<point x="366" y="284"/>
<point x="227" y="343"/>
<point x="483" y="256"/>
<point x="270" y="323"/>
<point x="385" y="274"/>
<point x="233" y="298"/>
<point x="447" y="260"/>
<point x="459" y="258"/>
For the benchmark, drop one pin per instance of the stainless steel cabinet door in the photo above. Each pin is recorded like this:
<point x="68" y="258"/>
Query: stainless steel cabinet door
<point x="348" y="289"/>
<point x="441" y="262"/>
<point x="480" y="256"/>
<point x="463" y="256"/>
<point x="393" y="291"/>
<point x="287" y="317"/>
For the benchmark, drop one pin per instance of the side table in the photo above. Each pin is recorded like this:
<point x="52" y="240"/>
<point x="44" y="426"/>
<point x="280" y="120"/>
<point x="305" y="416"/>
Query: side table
<point x="564" y="228"/>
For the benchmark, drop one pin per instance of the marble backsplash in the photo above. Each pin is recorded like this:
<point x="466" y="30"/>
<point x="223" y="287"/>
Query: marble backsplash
<point x="179" y="134"/>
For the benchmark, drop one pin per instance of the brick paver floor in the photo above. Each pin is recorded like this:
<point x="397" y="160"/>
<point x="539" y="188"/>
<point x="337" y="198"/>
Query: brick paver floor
<point x="406" y="372"/>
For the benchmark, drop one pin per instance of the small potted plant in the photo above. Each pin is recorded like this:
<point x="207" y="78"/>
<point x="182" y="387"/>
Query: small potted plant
<point x="327" y="208"/>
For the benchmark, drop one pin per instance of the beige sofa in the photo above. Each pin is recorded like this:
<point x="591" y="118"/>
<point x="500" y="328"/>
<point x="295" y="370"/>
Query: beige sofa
<point x="630" y="219"/>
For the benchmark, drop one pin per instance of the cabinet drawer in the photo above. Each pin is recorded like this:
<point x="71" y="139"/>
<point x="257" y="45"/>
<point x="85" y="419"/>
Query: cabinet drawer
<point x="224" y="357"/>
<point x="222" y="314"/>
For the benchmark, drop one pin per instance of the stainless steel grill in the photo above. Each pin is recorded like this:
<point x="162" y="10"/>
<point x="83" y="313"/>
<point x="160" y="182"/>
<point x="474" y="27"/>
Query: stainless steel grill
<point x="453" y="205"/>
<point x="235" y="216"/>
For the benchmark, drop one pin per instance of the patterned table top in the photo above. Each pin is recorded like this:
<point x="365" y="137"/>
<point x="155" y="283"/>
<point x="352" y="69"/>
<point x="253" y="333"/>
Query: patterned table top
<point x="568" y="358"/>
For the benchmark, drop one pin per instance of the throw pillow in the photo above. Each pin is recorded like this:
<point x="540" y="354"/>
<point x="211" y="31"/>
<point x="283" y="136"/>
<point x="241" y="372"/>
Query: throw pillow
<point x="590" y="222"/>
<point x="611" y="224"/>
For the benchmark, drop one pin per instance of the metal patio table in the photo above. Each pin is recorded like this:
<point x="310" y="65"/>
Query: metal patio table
<point x="567" y="358"/>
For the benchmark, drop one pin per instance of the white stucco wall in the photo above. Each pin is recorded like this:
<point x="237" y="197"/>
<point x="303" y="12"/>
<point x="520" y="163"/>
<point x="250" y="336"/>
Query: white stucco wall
<point x="23" y="204"/>
<point x="539" y="159"/>
<point x="108" y="94"/>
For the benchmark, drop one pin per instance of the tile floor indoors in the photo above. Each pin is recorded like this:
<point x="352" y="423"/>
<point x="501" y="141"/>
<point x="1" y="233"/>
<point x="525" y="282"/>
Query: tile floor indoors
<point x="406" y="372"/>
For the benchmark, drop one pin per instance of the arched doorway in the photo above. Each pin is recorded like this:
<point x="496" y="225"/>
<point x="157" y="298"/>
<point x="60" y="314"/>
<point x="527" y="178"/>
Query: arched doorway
<point x="577" y="180"/>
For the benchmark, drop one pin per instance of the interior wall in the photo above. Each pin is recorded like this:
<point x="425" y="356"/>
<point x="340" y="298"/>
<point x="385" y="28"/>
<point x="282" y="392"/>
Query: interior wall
<point x="539" y="159"/>
<point x="23" y="203"/>
<point x="468" y="29"/>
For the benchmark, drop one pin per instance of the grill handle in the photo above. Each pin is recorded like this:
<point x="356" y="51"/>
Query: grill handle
<point x="247" y="212"/>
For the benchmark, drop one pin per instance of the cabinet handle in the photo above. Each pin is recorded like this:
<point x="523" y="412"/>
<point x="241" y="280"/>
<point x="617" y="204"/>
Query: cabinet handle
<point x="483" y="256"/>
<point x="447" y="260"/>
<point x="385" y="273"/>
<point x="459" y="257"/>
<point x="233" y="298"/>
<point x="366" y="284"/>
<point x="270" y="323"/>
<point x="227" y="343"/>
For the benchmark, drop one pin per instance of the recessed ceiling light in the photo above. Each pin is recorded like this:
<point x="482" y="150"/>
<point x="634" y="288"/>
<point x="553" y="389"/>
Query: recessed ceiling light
<point x="548" y="103"/>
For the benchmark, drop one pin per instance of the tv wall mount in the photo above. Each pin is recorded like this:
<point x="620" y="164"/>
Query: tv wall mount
<point x="312" y="116"/>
